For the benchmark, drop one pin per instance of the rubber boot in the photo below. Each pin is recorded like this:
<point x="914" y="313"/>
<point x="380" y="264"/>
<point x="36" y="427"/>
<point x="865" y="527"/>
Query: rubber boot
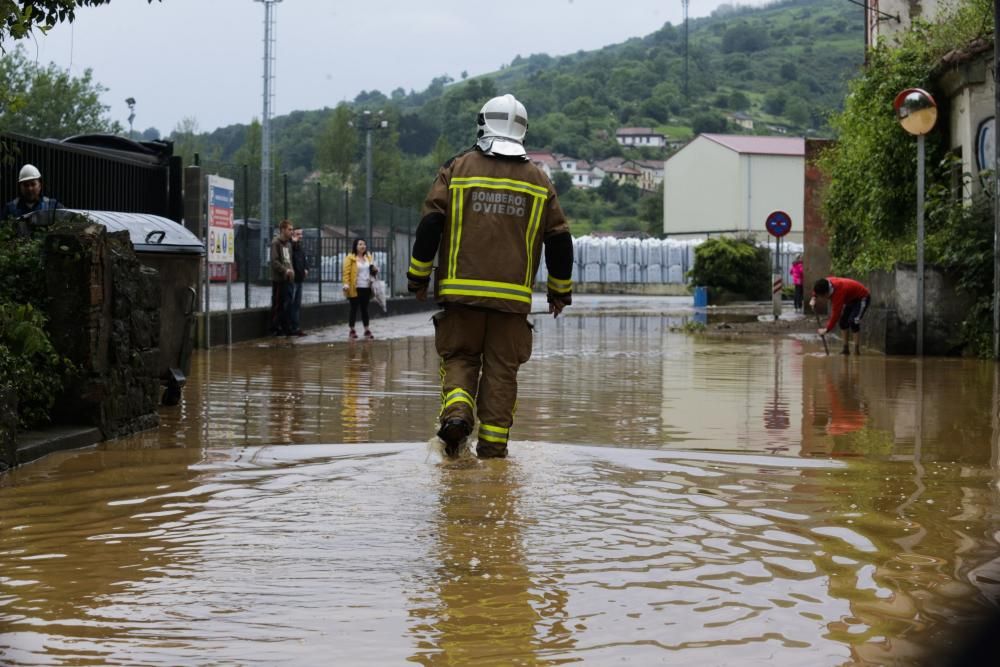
<point x="453" y="432"/>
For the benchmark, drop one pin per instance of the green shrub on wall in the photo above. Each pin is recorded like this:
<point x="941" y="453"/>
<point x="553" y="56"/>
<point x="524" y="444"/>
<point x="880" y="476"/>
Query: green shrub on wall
<point x="732" y="265"/>
<point x="29" y="364"/>
<point x="870" y="202"/>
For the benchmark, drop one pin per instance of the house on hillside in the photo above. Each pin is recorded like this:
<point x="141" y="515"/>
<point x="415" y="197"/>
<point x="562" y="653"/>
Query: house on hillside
<point x="650" y="173"/>
<point x="545" y="161"/>
<point x="615" y="169"/>
<point x="640" y="136"/>
<point x="741" y="119"/>
<point x="579" y="170"/>
<point x="724" y="184"/>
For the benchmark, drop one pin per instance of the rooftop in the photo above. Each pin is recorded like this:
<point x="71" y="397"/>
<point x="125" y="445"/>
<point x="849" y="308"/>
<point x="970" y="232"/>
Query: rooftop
<point x="760" y="145"/>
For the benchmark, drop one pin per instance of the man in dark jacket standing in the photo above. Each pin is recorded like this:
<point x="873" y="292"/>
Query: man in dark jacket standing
<point x="282" y="279"/>
<point x="300" y="264"/>
<point x="486" y="219"/>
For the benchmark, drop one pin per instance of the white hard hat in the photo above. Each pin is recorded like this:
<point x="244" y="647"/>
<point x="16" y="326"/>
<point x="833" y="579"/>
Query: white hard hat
<point x="502" y="122"/>
<point x="29" y="172"/>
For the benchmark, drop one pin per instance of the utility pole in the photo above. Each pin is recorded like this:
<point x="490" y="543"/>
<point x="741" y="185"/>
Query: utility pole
<point x="370" y="123"/>
<point x="265" y="140"/>
<point x="685" y="3"/>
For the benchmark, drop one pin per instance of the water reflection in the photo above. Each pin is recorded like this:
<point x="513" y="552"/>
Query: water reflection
<point x="669" y="500"/>
<point x="484" y="606"/>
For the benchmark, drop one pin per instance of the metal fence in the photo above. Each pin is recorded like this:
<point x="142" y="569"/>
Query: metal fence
<point x="331" y="219"/>
<point x="117" y="175"/>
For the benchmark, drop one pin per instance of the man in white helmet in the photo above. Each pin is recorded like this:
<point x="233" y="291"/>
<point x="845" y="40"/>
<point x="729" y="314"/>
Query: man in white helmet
<point x="29" y="184"/>
<point x="486" y="219"/>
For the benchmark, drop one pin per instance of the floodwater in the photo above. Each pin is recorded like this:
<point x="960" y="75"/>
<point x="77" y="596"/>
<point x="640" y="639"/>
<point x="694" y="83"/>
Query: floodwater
<point x="669" y="499"/>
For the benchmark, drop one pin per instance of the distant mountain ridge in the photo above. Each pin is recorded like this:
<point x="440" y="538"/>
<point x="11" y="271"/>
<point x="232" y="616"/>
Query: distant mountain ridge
<point x="782" y="66"/>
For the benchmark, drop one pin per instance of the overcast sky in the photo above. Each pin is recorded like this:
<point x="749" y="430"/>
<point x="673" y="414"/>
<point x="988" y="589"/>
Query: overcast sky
<point x="203" y="58"/>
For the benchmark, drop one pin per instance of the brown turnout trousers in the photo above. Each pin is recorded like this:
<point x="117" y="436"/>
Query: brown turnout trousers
<point x="474" y="340"/>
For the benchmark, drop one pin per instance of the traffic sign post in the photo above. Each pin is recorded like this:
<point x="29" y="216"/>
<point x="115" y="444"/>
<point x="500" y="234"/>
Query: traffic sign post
<point x="778" y="224"/>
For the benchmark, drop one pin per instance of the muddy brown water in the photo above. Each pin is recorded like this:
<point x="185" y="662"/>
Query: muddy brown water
<point x="669" y="499"/>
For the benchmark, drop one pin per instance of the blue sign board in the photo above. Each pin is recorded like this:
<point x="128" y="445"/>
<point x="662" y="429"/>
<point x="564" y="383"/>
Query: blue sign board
<point x="778" y="224"/>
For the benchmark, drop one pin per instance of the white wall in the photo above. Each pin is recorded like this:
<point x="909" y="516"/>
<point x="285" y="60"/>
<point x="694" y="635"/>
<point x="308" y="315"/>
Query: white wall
<point x="776" y="183"/>
<point x="968" y="109"/>
<point x="700" y="190"/>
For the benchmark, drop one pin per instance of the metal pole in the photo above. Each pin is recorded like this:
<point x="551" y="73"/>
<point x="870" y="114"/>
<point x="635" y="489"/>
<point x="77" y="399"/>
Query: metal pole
<point x="920" y="245"/>
<point x="996" y="180"/>
<point x="319" y="238"/>
<point x="284" y="178"/>
<point x="265" y="140"/>
<point x="368" y="182"/>
<point x="347" y="214"/>
<point x="246" y="236"/>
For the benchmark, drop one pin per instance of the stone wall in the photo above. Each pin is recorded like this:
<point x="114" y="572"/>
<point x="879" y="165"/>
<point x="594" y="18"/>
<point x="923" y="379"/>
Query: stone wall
<point x="104" y="316"/>
<point x="891" y="323"/>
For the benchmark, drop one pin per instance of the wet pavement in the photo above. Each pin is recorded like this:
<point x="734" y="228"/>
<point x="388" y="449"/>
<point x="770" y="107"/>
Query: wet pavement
<point x="669" y="499"/>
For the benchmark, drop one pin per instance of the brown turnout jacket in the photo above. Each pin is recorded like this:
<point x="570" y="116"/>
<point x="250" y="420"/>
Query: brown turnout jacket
<point x="492" y="216"/>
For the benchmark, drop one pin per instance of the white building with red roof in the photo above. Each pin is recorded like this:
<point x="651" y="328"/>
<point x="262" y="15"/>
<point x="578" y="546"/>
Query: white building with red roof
<point x="723" y="184"/>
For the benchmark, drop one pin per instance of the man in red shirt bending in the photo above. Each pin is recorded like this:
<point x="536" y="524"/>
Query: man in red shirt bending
<point x="848" y="303"/>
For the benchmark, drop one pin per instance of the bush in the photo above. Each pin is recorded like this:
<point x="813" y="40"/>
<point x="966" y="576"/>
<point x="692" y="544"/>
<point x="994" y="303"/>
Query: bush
<point x="732" y="265"/>
<point x="29" y="363"/>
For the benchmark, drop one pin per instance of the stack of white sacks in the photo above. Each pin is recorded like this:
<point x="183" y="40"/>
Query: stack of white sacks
<point x="653" y="261"/>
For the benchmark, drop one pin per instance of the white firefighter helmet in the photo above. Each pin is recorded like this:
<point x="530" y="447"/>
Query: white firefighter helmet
<point x="502" y="125"/>
<point x="29" y="172"/>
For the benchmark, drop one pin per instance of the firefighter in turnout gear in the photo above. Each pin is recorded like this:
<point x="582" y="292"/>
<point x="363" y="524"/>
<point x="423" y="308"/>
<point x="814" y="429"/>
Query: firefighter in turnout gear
<point x="486" y="219"/>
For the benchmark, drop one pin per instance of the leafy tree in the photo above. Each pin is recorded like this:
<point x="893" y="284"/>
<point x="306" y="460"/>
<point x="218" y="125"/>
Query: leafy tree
<point x="150" y="134"/>
<point x="789" y="72"/>
<point x="338" y="145"/>
<point x="563" y="182"/>
<point x="187" y="141"/>
<point x="708" y="122"/>
<point x="869" y="203"/>
<point x="743" y="38"/>
<point x="738" y="101"/>
<point x="48" y="101"/>
<point x="797" y="111"/>
<point x="774" y="102"/>
<point x="19" y="19"/>
<point x="732" y="265"/>
<point x="650" y="210"/>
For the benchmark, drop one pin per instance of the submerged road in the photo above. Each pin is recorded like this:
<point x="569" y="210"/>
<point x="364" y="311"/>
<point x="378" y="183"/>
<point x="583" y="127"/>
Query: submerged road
<point x="669" y="499"/>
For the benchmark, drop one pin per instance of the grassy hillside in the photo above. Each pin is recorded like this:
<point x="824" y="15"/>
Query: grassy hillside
<point x="785" y="65"/>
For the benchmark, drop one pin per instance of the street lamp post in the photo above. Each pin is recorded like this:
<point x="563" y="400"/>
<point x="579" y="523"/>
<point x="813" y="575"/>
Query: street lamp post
<point x="916" y="111"/>
<point x="130" y="101"/>
<point x="369" y="123"/>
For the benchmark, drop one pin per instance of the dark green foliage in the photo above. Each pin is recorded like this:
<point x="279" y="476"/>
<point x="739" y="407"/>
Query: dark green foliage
<point x="21" y="277"/>
<point x="41" y="15"/>
<point x="870" y="203"/>
<point x="710" y="122"/>
<point x="577" y="102"/>
<point x="743" y="38"/>
<point x="28" y="363"/>
<point x="732" y="265"/>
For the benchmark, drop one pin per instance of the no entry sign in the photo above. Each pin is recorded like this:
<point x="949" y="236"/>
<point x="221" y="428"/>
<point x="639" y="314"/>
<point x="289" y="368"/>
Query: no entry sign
<point x="778" y="224"/>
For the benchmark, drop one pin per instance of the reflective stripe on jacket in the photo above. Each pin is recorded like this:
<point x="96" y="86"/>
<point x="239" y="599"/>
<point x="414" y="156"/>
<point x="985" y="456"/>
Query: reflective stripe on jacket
<point x="497" y="213"/>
